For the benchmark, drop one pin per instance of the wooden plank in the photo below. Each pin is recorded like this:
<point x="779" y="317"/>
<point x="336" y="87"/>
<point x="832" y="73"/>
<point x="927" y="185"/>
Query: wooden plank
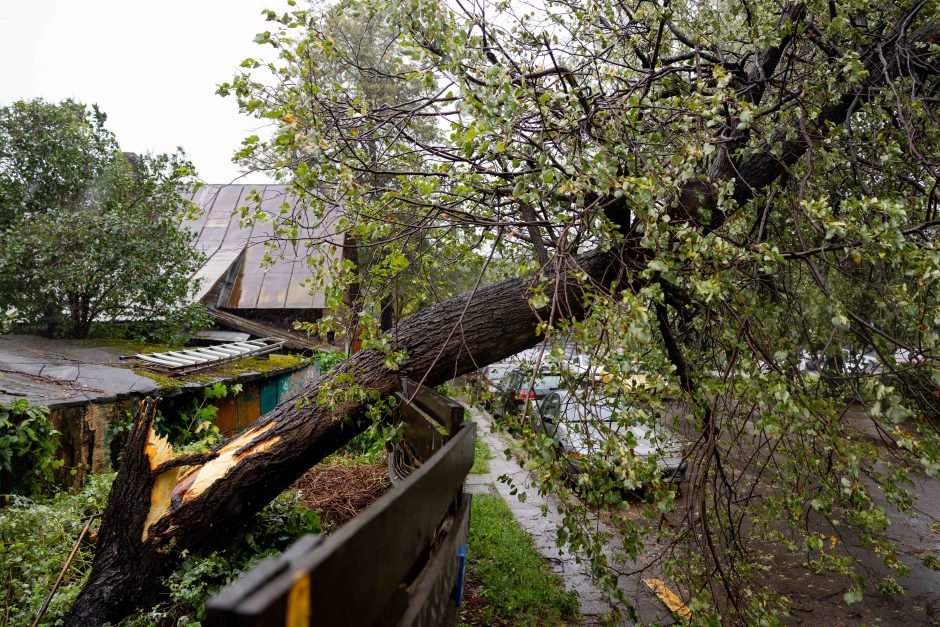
<point x="448" y="412"/>
<point x="391" y="536"/>
<point x="249" y="405"/>
<point x="368" y="557"/>
<point x="420" y="430"/>
<point x="265" y="572"/>
<point x="431" y="597"/>
<point x="292" y="339"/>
<point x="669" y="598"/>
<point x="226" y="415"/>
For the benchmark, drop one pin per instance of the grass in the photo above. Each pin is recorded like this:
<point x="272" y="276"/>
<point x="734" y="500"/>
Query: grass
<point x="516" y="586"/>
<point x="229" y="370"/>
<point x="129" y="347"/>
<point x="481" y="457"/>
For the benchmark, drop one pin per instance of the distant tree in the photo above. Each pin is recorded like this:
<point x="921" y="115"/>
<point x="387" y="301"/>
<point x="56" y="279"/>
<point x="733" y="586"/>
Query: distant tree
<point x="395" y="268"/>
<point x="87" y="232"/>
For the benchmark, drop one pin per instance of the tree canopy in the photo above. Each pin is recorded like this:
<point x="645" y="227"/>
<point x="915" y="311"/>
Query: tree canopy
<point x="763" y="175"/>
<point x="89" y="232"/>
<point x="697" y="195"/>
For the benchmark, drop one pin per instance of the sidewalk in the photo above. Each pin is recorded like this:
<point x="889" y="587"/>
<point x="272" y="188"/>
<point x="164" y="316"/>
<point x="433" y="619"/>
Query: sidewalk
<point x="594" y="606"/>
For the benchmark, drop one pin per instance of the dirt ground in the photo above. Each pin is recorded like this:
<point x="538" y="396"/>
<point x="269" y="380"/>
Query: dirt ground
<point x="340" y="490"/>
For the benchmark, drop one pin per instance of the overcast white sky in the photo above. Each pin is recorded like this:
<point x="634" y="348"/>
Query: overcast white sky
<point x="151" y="65"/>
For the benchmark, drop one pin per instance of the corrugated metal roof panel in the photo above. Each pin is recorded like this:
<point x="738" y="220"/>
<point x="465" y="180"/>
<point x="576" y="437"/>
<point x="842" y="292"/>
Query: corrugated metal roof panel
<point x="222" y="239"/>
<point x="205" y="357"/>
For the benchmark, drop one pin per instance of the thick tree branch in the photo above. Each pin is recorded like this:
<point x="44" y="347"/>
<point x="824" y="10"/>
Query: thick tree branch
<point x="252" y="468"/>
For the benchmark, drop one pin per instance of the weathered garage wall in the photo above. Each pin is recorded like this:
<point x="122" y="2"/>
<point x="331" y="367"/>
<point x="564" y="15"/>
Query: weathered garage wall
<point x="92" y="434"/>
<point x="258" y="397"/>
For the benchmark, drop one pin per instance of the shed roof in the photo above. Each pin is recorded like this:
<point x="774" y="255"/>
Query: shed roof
<point x="64" y="372"/>
<point x="235" y="253"/>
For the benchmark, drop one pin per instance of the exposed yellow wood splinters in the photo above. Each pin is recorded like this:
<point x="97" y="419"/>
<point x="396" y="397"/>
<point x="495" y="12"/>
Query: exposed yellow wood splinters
<point x="668" y="597"/>
<point x="158" y="451"/>
<point x="215" y="469"/>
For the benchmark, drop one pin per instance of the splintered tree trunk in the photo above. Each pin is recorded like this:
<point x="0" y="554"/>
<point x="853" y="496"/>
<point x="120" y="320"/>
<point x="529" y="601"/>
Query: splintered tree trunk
<point x="160" y="505"/>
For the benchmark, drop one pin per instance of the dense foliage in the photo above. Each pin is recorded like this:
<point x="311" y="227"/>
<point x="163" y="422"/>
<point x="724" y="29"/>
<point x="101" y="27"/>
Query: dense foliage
<point x="763" y="175"/>
<point x="37" y="535"/>
<point x="86" y="231"/>
<point x="28" y="447"/>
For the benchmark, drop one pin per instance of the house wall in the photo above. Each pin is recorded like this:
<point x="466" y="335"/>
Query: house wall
<point x="258" y="398"/>
<point x="86" y="435"/>
<point x="93" y="434"/>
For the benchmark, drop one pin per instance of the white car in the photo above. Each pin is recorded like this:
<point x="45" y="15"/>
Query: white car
<point x="583" y="428"/>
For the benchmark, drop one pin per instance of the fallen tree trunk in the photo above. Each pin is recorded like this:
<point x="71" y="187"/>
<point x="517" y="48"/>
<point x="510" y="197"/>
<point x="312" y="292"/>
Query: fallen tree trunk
<point x="157" y="509"/>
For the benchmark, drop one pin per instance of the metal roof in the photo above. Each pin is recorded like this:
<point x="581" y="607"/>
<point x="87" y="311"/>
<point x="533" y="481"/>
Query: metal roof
<point x="188" y="360"/>
<point x="234" y="253"/>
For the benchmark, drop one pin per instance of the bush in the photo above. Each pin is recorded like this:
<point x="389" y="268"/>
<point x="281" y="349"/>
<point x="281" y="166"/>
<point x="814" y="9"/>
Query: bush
<point x="36" y="537"/>
<point x="28" y="446"/>
<point x="91" y="233"/>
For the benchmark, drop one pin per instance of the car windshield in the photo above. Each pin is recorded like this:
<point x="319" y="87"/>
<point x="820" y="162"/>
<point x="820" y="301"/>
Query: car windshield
<point x="544" y="381"/>
<point x="496" y="373"/>
<point x="512" y="381"/>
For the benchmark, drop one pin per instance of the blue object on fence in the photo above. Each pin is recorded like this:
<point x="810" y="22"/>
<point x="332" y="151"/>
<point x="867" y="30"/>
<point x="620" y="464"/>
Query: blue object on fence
<point x="461" y="569"/>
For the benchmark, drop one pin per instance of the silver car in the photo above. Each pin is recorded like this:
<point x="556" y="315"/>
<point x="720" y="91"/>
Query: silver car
<point x="582" y="428"/>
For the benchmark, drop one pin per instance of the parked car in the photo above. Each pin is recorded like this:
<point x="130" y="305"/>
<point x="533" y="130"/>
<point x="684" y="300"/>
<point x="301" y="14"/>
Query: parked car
<point x="582" y="427"/>
<point x="862" y="363"/>
<point x="578" y="364"/>
<point x="585" y="372"/>
<point x="904" y="357"/>
<point x="516" y="389"/>
<point x="848" y="361"/>
<point x="493" y="375"/>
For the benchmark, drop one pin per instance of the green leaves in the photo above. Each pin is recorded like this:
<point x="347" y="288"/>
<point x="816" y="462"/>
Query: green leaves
<point x="854" y="595"/>
<point x="760" y="236"/>
<point x="28" y="446"/>
<point x="89" y="232"/>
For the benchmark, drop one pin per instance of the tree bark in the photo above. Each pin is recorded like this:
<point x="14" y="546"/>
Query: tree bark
<point x="152" y="513"/>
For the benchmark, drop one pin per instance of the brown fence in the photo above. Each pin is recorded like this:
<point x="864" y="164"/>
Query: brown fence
<point x="399" y="562"/>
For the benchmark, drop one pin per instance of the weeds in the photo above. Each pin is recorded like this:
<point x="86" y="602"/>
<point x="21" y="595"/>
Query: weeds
<point x="515" y="581"/>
